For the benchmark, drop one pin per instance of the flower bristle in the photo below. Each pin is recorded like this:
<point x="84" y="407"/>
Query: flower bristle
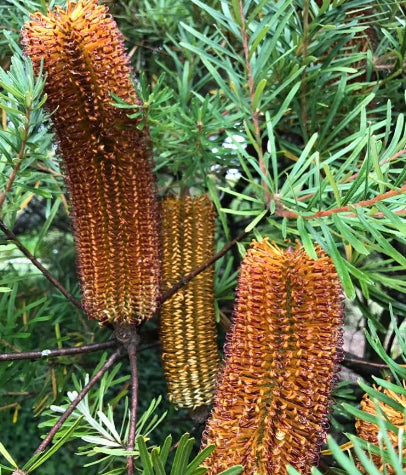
<point x="188" y="325"/>
<point x="106" y="160"/>
<point x="369" y="431"/>
<point x="282" y="353"/>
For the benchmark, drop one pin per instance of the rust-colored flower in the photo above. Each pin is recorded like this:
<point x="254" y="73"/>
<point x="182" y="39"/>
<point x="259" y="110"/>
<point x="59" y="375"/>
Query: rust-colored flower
<point x="282" y="354"/>
<point x="370" y="432"/>
<point x="106" y="159"/>
<point x="188" y="326"/>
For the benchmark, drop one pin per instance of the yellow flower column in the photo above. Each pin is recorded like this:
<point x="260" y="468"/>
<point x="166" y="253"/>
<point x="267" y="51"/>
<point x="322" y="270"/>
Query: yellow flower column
<point x="188" y="326"/>
<point x="282" y="353"/>
<point x="106" y="160"/>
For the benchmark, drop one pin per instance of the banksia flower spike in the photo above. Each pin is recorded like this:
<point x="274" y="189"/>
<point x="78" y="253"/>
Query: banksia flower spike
<point x="188" y="325"/>
<point x="106" y="159"/>
<point x="370" y="432"/>
<point x="282" y="354"/>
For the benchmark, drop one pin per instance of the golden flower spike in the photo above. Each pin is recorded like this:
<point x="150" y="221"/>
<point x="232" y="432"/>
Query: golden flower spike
<point x="273" y="396"/>
<point x="188" y="325"/>
<point x="106" y="159"/>
<point x="370" y="432"/>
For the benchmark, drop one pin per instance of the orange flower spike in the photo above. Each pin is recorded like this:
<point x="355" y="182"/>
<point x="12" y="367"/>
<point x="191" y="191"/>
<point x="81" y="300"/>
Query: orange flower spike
<point x="273" y="395"/>
<point x="370" y="432"/>
<point x="188" y="324"/>
<point x="106" y="160"/>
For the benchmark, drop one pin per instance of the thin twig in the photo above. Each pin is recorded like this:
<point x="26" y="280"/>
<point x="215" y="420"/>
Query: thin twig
<point x="383" y="162"/>
<point x="255" y="111"/>
<point x="359" y="362"/>
<point x="355" y="175"/>
<point x="20" y="157"/>
<point x="326" y="469"/>
<point x="132" y="355"/>
<point x="344" y="209"/>
<point x="188" y="277"/>
<point x="107" y="365"/>
<point x="39" y="266"/>
<point x="32" y="355"/>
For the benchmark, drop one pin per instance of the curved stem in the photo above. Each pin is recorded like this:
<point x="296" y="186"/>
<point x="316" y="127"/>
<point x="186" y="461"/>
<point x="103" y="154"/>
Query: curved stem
<point x="188" y="277"/>
<point x="132" y="355"/>
<point x="108" y="364"/>
<point x="255" y="111"/>
<point x="20" y="157"/>
<point x="344" y="209"/>
<point x="32" y="355"/>
<point x="39" y="266"/>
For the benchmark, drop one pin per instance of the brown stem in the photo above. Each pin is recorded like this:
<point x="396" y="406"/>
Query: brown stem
<point x="107" y="365"/>
<point x="343" y="209"/>
<point x="359" y="362"/>
<point x="132" y="355"/>
<point x="255" y="111"/>
<point x="304" y="45"/>
<point x="322" y="465"/>
<point x="20" y="157"/>
<point x="188" y="277"/>
<point x="39" y="266"/>
<point x="32" y="355"/>
<point x="383" y="162"/>
<point x="355" y="175"/>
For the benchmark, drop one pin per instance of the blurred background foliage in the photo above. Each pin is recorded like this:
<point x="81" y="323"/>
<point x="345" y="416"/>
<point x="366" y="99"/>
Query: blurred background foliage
<point x="285" y="112"/>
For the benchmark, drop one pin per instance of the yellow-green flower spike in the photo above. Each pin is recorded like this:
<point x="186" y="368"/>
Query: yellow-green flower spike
<point x="188" y="326"/>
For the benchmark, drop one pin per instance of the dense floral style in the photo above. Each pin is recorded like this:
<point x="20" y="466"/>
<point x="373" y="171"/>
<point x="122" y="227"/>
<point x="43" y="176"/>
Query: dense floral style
<point x="282" y="355"/>
<point x="188" y="326"/>
<point x="370" y="432"/>
<point x="106" y="159"/>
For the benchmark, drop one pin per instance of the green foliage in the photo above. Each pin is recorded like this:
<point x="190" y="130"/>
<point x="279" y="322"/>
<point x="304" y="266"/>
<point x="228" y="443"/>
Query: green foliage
<point x="154" y="462"/>
<point x="291" y="116"/>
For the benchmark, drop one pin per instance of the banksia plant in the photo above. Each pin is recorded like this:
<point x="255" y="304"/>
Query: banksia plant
<point x="106" y="159"/>
<point x="370" y="431"/>
<point x="188" y="325"/>
<point x="282" y="355"/>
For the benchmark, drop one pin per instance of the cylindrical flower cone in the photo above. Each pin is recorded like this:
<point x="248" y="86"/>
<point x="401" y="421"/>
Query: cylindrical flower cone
<point x="106" y="160"/>
<point x="370" y="431"/>
<point x="282" y="354"/>
<point x="188" y="326"/>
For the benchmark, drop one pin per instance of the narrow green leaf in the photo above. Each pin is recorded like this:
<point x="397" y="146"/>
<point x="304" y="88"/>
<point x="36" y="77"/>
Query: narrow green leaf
<point x="258" y="93"/>
<point x="240" y="195"/>
<point x="382" y="242"/>
<point x="44" y="457"/>
<point x="236" y="470"/>
<point x="255" y="221"/>
<point x="183" y="451"/>
<point x="213" y="195"/>
<point x="341" y="458"/>
<point x="165" y="449"/>
<point x="145" y="457"/>
<point x="256" y="39"/>
<point x="285" y="104"/>
<point x="157" y="462"/>
<point x="347" y="234"/>
<point x="4" y="452"/>
<point x="364" y="458"/>
<point x="339" y="262"/>
<point x="326" y="131"/>
<point x="305" y="238"/>
<point x="236" y="9"/>
<point x="333" y="183"/>
<point x="199" y="459"/>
